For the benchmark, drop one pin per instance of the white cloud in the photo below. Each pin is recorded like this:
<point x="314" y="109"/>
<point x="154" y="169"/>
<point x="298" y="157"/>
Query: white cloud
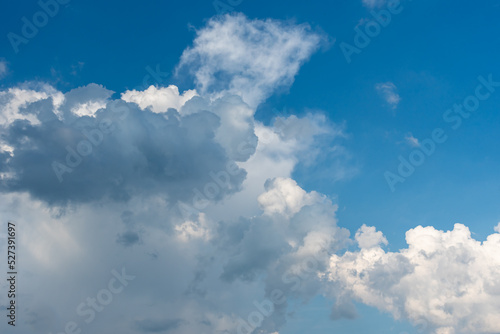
<point x="194" y="229"/>
<point x="159" y="99"/>
<point x="233" y="240"/>
<point x="128" y="186"/>
<point x="369" y="237"/>
<point x="446" y="279"/>
<point x="287" y="144"/>
<point x="389" y="93"/>
<point x="284" y="196"/>
<point x="412" y="141"/>
<point x="205" y="275"/>
<point x="14" y="100"/>
<point x="88" y="108"/>
<point x="83" y="101"/>
<point x="250" y="58"/>
<point x="236" y="129"/>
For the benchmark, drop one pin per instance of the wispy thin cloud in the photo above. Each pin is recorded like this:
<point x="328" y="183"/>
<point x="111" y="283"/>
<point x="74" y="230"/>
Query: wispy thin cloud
<point x="388" y="91"/>
<point x="412" y="141"/>
<point x="3" y="68"/>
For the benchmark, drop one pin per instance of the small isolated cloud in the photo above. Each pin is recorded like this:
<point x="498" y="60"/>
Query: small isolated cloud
<point x="3" y="68"/>
<point x="388" y="91"/>
<point x="412" y="141"/>
<point x="374" y="3"/>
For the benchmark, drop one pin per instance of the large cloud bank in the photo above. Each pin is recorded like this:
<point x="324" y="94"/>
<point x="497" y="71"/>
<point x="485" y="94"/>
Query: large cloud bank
<point x="177" y="211"/>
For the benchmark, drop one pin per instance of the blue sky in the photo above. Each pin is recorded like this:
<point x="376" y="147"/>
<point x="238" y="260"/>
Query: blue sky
<point x="322" y="124"/>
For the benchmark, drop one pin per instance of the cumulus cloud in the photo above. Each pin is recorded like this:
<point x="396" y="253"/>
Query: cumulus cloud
<point x="446" y="280"/>
<point x="99" y="178"/>
<point x="84" y="101"/>
<point x="285" y="146"/>
<point x="113" y="152"/>
<point x="214" y="269"/>
<point x="13" y="102"/>
<point x="388" y="91"/>
<point x="289" y="243"/>
<point x="369" y="237"/>
<point x="159" y="99"/>
<point x="250" y="58"/>
<point x="283" y="196"/>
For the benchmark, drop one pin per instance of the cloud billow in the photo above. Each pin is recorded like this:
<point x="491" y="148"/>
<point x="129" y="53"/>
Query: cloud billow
<point x="117" y="152"/>
<point x="446" y="280"/>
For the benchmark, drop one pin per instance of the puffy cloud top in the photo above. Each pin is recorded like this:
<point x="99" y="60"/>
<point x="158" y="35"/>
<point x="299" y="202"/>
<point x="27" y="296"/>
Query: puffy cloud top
<point x="446" y="280"/>
<point x="58" y="153"/>
<point x="284" y="196"/>
<point x="368" y="237"/>
<point x="159" y="99"/>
